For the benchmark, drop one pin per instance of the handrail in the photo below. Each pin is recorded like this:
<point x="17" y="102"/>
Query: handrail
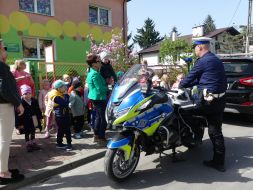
<point x="64" y="63"/>
<point x="250" y="55"/>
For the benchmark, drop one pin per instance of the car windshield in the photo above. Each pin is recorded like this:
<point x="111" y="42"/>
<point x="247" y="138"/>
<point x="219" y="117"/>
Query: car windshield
<point x="236" y="67"/>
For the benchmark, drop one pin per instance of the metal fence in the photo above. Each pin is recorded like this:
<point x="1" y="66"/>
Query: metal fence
<point x="54" y="71"/>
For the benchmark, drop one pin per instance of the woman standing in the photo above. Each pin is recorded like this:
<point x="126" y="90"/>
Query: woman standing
<point x="22" y="77"/>
<point x="9" y="97"/>
<point x="97" y="94"/>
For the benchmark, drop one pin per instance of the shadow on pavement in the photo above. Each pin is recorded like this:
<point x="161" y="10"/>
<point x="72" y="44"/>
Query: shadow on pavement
<point x="242" y="120"/>
<point x="190" y="171"/>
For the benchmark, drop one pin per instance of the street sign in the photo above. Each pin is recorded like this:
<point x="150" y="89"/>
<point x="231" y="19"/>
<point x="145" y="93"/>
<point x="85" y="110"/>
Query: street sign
<point x="13" y="47"/>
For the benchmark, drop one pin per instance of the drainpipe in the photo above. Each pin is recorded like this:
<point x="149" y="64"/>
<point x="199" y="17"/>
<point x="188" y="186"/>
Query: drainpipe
<point x="124" y="22"/>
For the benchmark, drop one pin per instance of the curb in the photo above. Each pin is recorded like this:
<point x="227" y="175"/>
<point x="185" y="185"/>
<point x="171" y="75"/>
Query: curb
<point x="44" y="175"/>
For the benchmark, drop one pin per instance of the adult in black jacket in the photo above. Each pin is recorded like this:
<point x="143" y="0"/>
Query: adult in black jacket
<point x="9" y="97"/>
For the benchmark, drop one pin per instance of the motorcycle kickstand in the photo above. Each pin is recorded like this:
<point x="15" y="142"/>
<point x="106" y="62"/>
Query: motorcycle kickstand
<point x="160" y="155"/>
<point x="174" y="158"/>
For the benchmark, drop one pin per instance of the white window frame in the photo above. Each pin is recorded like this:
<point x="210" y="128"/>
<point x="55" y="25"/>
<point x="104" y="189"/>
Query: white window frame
<point x="98" y="15"/>
<point x="36" y="8"/>
<point x="38" y="48"/>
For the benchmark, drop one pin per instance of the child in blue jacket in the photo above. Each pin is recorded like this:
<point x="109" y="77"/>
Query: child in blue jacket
<point x="61" y="110"/>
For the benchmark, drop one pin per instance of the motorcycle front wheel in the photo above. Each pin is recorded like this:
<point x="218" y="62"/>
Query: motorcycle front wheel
<point x="116" y="167"/>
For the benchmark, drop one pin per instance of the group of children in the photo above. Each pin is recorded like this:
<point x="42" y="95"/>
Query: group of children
<point x="57" y="108"/>
<point x="164" y="81"/>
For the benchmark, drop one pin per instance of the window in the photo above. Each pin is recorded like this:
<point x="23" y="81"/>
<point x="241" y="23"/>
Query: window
<point x="33" y="48"/>
<point x="237" y="67"/>
<point x="44" y="7"/>
<point x="99" y="16"/>
<point x="104" y="16"/>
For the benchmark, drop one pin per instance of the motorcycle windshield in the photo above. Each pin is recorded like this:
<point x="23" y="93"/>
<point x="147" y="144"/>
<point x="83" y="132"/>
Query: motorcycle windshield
<point x="129" y="80"/>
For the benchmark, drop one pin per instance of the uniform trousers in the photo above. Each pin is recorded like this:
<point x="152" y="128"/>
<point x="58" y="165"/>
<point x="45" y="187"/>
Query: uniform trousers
<point x="213" y="111"/>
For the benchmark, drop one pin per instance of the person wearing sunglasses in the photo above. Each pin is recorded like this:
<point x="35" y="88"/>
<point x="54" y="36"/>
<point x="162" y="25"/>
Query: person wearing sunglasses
<point x="97" y="94"/>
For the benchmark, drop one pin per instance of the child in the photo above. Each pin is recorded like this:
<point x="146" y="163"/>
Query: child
<point x="165" y="81"/>
<point x="31" y="117"/>
<point x="66" y="78"/>
<point x="91" y="115"/>
<point x="75" y="80"/>
<point x="77" y="106"/>
<point x="156" y="81"/>
<point x="49" y="113"/>
<point x="61" y="102"/>
<point x="43" y="92"/>
<point x="179" y="78"/>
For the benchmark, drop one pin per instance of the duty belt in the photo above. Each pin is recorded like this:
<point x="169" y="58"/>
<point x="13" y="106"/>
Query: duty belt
<point x="218" y="95"/>
<point x="210" y="96"/>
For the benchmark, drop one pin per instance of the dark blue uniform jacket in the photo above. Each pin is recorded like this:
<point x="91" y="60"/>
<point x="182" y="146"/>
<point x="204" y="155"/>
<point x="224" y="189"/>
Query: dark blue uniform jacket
<point x="208" y="73"/>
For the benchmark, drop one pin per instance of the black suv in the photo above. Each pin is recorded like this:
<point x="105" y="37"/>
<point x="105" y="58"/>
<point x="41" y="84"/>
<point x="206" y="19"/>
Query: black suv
<point x="239" y="94"/>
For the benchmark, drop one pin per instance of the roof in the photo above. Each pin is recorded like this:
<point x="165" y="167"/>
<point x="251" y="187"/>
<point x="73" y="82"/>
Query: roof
<point x="188" y="39"/>
<point x="216" y="32"/>
<point x="153" y="48"/>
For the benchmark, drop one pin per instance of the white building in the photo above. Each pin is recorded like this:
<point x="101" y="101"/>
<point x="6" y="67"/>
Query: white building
<point x="152" y="54"/>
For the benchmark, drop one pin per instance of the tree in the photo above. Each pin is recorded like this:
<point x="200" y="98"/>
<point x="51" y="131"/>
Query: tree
<point x="209" y="25"/>
<point x="232" y="44"/>
<point x="119" y="59"/>
<point x="147" y="35"/>
<point x="172" y="50"/>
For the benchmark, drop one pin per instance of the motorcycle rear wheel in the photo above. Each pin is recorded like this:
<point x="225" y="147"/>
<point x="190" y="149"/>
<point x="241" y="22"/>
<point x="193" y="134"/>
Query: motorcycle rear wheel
<point x="116" y="167"/>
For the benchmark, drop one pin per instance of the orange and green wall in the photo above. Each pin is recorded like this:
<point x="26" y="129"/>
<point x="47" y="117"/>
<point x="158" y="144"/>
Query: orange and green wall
<point x="68" y="28"/>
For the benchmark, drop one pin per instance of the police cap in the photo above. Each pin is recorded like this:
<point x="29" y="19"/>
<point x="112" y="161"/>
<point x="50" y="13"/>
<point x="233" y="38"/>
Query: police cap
<point x="200" y="41"/>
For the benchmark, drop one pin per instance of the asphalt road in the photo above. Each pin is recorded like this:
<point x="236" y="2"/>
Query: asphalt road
<point x="154" y="173"/>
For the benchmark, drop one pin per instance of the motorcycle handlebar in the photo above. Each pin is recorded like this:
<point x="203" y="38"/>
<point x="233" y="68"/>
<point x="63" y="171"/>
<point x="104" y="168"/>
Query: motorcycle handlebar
<point x="174" y="91"/>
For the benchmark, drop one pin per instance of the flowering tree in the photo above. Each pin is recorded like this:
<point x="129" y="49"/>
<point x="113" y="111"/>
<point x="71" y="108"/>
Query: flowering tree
<point x="119" y="55"/>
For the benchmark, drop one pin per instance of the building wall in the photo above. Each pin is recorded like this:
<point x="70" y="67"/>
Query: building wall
<point x="68" y="27"/>
<point x="151" y="58"/>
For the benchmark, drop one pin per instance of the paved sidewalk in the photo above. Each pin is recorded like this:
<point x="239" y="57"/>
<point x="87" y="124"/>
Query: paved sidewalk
<point x="49" y="161"/>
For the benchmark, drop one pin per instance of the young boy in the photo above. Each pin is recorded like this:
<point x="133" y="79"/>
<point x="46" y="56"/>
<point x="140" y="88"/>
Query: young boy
<point x="61" y="102"/>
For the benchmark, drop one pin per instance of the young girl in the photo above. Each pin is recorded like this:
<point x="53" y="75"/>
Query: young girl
<point x="179" y="78"/>
<point x="165" y="82"/>
<point x="43" y="92"/>
<point x="31" y="117"/>
<point x="77" y="107"/>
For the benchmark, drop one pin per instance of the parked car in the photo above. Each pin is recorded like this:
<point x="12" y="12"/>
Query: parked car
<point x="239" y="94"/>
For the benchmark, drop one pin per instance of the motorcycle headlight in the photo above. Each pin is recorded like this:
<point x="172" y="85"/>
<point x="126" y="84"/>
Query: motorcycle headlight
<point x="121" y="112"/>
<point x="110" y="112"/>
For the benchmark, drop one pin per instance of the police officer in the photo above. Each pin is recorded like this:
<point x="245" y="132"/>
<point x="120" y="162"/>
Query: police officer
<point x="209" y="76"/>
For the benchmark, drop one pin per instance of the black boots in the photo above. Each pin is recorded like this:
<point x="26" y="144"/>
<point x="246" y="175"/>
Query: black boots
<point x="215" y="165"/>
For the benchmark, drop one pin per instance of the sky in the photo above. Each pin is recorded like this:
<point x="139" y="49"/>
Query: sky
<point x="185" y="14"/>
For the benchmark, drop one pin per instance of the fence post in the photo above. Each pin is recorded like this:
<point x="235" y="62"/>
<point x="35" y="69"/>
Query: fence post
<point x="36" y="76"/>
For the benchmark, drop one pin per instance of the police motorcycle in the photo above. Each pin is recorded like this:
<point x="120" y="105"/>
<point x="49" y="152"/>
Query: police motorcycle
<point x="152" y="121"/>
